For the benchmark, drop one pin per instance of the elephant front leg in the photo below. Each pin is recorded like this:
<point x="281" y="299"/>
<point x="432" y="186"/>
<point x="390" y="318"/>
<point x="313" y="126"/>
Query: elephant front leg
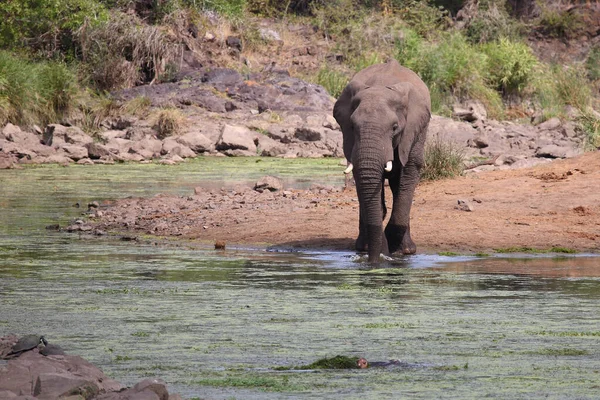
<point x="361" y="243"/>
<point x="403" y="185"/>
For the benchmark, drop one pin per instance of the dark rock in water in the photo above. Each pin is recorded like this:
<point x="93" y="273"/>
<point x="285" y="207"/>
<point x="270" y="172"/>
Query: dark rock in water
<point x="53" y="227"/>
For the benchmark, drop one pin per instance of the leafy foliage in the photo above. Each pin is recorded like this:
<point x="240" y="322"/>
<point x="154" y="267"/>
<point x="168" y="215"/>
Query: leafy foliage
<point x="332" y="80"/>
<point x="491" y="24"/>
<point x="34" y="92"/>
<point x="511" y="65"/>
<point x="45" y="24"/>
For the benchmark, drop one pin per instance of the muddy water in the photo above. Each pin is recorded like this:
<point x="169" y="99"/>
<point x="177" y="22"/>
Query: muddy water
<point x="215" y="324"/>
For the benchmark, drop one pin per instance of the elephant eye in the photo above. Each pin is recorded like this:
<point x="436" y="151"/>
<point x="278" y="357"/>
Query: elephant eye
<point x="395" y="127"/>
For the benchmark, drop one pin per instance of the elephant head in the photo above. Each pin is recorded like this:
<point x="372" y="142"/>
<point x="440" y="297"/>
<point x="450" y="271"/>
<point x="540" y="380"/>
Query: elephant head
<point x="383" y="113"/>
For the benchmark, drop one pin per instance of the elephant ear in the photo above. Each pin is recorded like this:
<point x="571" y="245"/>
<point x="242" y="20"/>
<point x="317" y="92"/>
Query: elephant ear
<point x="342" y="111"/>
<point x="413" y="109"/>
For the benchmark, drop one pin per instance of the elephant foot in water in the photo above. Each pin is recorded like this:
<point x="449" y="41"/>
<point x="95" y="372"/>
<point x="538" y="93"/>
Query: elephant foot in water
<point x="398" y="238"/>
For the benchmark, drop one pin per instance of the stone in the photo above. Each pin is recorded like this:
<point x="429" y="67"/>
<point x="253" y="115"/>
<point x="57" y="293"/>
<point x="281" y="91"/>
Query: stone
<point x="551" y="124"/>
<point x="119" y="146"/>
<point x="97" y="151"/>
<point x="171" y="146"/>
<point x="464" y="205"/>
<point x="10" y="131"/>
<point x="234" y="42"/>
<point x="112" y="134"/>
<point x="75" y="152"/>
<point x="157" y="386"/>
<point x="554" y="151"/>
<point x="51" y="386"/>
<point x="269" y="183"/>
<point x="196" y="141"/>
<point x="235" y="137"/>
<point x="147" y="147"/>
<point x="7" y="161"/>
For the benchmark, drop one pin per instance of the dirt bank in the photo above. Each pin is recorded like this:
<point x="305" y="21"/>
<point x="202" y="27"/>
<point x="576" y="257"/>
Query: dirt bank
<point x="556" y="204"/>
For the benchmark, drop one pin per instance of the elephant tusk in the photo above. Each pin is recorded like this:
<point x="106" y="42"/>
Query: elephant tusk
<point x="388" y="166"/>
<point x="349" y="168"/>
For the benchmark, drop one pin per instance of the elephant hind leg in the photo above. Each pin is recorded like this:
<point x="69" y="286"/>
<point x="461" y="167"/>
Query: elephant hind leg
<point x="399" y="239"/>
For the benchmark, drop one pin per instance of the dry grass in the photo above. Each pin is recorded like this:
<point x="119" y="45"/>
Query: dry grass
<point x="168" y="122"/>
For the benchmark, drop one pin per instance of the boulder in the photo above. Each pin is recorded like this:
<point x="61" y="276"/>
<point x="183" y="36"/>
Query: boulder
<point x="75" y="152"/>
<point x="237" y="138"/>
<point x="551" y="124"/>
<point x="119" y="146"/>
<point x="7" y="160"/>
<point x="97" y="151"/>
<point x="52" y="386"/>
<point x="172" y="146"/>
<point x="554" y="151"/>
<point x="269" y="147"/>
<point x="147" y="147"/>
<point x="196" y="141"/>
<point x="112" y="134"/>
<point x="56" y="134"/>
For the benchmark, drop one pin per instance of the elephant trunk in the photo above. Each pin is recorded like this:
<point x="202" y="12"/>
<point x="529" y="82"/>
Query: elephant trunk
<point x="368" y="172"/>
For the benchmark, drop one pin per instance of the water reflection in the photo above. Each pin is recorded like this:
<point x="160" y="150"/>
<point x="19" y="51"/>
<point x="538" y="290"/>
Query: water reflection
<point x="200" y="318"/>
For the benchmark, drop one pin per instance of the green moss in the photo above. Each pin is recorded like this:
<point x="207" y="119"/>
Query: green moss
<point x="448" y="254"/>
<point x="560" y="352"/>
<point x="337" y="362"/>
<point x="266" y="383"/>
<point x="481" y="254"/>
<point x="531" y="250"/>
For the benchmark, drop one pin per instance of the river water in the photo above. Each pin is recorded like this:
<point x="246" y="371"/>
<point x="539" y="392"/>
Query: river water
<point x="214" y="325"/>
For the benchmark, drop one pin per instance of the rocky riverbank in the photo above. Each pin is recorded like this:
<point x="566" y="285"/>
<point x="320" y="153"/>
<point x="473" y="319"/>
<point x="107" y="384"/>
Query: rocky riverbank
<point x="270" y="114"/>
<point x="33" y="375"/>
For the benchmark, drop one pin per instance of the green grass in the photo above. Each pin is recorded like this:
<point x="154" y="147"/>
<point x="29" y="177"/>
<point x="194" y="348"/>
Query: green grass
<point x="33" y="92"/>
<point x="448" y="254"/>
<point x="531" y="250"/>
<point x="332" y="80"/>
<point x="442" y="160"/>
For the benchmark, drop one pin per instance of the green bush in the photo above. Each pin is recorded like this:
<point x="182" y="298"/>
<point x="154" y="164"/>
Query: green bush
<point x="511" y="65"/>
<point x="332" y="80"/>
<point x="45" y="25"/>
<point x="34" y="93"/>
<point x="558" y="23"/>
<point x="572" y="86"/>
<point x="442" y="160"/>
<point x="592" y="63"/>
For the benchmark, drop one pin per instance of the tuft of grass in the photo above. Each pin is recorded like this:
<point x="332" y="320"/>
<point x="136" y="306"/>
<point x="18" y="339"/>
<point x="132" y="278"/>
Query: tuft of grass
<point x="332" y="80"/>
<point x="481" y="255"/>
<point x="169" y="121"/>
<point x="559" y="23"/>
<point x="442" y="160"/>
<point x="139" y="106"/>
<point x="590" y="125"/>
<point x="592" y="63"/>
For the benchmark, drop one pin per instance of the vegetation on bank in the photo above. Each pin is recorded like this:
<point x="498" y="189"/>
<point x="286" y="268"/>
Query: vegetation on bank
<point x="60" y="58"/>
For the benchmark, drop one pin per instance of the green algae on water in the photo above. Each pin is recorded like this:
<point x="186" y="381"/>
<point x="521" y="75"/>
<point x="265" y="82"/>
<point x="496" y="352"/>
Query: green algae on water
<point x="337" y="362"/>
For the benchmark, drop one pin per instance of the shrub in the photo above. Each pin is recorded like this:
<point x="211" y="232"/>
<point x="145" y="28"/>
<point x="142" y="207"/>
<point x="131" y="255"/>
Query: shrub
<point x="590" y="125"/>
<point x="511" y="65"/>
<point x="558" y="23"/>
<point x="442" y="160"/>
<point x="592" y="63"/>
<point x="123" y="52"/>
<point x="333" y="81"/>
<point x="491" y="24"/>
<point x="34" y="93"/>
<point x="169" y="121"/>
<point x="572" y="86"/>
<point x="45" y="24"/>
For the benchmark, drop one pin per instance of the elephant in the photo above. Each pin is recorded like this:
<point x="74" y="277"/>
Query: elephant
<point x="384" y="113"/>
